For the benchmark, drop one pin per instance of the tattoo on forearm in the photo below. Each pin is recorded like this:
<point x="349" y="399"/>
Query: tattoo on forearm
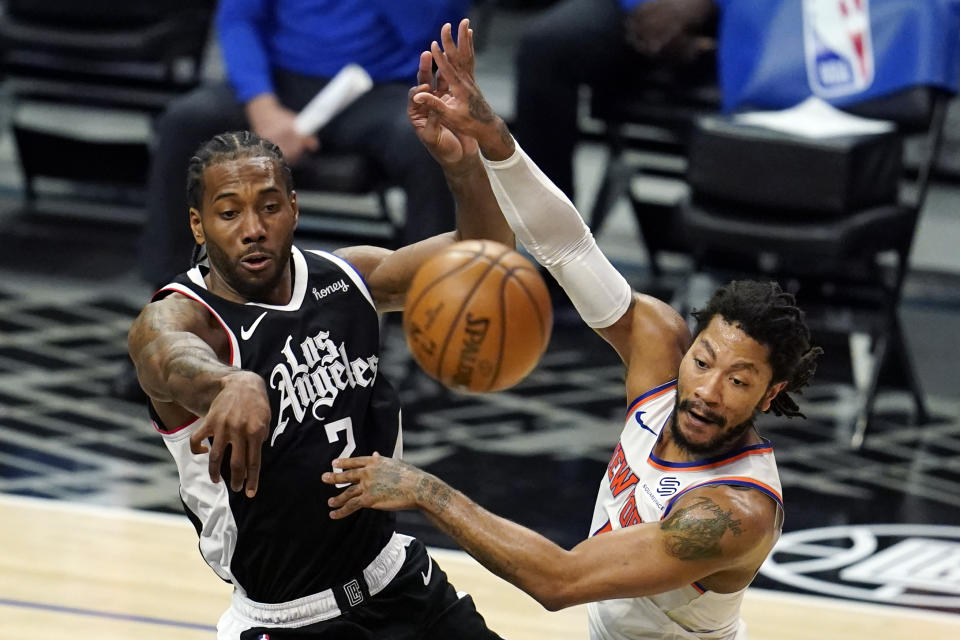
<point x="433" y="492"/>
<point x="189" y="363"/>
<point x="479" y="109"/>
<point x="694" y="532"/>
<point x="503" y="569"/>
<point x="505" y="136"/>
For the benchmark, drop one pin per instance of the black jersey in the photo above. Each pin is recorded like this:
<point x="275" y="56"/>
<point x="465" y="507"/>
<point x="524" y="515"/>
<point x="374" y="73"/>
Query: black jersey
<point x="319" y="356"/>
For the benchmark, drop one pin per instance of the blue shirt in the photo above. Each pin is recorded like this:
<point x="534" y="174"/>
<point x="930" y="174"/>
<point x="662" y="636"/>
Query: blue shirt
<point x="319" y="37"/>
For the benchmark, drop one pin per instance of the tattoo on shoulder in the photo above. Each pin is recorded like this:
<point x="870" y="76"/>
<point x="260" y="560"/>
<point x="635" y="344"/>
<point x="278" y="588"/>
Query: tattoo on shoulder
<point x="693" y="532"/>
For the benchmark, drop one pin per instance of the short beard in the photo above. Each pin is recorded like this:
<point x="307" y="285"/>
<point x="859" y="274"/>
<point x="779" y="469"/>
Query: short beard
<point x="251" y="291"/>
<point x="718" y="445"/>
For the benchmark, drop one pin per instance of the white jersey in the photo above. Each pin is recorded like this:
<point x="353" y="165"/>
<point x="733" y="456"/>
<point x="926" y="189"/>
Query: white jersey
<point x="639" y="487"/>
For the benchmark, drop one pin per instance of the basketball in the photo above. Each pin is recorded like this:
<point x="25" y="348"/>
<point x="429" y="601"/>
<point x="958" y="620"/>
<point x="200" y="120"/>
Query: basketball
<point x="478" y="316"/>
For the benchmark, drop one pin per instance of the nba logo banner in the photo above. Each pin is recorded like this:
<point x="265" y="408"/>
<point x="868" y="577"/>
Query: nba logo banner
<point x="774" y="54"/>
<point x="838" y="46"/>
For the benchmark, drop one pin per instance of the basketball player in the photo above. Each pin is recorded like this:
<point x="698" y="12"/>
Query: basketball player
<point x="273" y="352"/>
<point x="690" y="504"/>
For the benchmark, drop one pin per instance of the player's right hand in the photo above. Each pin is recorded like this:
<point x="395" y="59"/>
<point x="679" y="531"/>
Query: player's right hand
<point x="239" y="417"/>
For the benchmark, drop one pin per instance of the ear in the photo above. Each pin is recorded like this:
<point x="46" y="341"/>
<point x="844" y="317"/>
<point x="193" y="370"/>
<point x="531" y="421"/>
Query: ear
<point x="295" y="208"/>
<point x="196" y="226"/>
<point x="771" y="394"/>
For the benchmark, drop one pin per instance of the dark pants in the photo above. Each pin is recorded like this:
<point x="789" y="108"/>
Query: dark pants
<point x="375" y="125"/>
<point x="572" y="43"/>
<point x="410" y="608"/>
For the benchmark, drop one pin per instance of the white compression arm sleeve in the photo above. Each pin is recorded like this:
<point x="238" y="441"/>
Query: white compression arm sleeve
<point x="550" y="227"/>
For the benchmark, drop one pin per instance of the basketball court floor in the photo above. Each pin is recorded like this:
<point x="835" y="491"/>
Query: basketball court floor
<point x="93" y="544"/>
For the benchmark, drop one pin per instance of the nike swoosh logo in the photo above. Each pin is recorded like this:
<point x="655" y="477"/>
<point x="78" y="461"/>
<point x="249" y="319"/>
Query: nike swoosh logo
<point x="426" y="576"/>
<point x="246" y="333"/>
<point x="640" y="422"/>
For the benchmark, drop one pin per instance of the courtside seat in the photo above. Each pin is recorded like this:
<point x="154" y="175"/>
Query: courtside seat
<point x="846" y="267"/>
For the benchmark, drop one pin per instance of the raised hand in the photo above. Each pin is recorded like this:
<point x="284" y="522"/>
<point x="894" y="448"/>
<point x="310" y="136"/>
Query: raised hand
<point x="239" y="417"/>
<point x="446" y="146"/>
<point x="457" y="101"/>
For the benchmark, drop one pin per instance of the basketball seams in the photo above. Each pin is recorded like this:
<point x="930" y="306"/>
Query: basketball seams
<point x="503" y="327"/>
<point x="409" y="308"/>
<point x="533" y="301"/>
<point x="462" y="309"/>
<point x="466" y="303"/>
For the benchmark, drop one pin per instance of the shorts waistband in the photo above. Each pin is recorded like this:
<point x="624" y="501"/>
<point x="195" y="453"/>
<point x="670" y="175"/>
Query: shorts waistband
<point x="329" y="603"/>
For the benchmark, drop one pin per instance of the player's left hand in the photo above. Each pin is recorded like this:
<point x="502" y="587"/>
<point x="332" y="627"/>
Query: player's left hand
<point x="460" y="105"/>
<point x="376" y="482"/>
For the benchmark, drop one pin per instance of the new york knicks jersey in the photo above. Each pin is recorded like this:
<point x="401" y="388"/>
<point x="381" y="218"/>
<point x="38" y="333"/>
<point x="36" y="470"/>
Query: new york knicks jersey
<point x="319" y="357"/>
<point x="639" y="487"/>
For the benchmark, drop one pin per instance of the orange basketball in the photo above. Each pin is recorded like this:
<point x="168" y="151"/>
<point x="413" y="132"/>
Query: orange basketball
<point x="478" y="316"/>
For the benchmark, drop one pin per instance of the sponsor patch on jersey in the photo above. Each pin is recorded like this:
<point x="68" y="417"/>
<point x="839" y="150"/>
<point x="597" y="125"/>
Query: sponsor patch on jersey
<point x="340" y="286"/>
<point x="668" y="486"/>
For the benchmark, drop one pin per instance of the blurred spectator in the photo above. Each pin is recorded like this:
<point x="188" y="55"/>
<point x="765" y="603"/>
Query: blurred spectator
<point x="601" y="43"/>
<point x="278" y="54"/>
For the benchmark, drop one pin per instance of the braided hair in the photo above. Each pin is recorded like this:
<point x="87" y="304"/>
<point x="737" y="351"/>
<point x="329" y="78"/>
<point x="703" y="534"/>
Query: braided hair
<point x="769" y="315"/>
<point x="225" y="147"/>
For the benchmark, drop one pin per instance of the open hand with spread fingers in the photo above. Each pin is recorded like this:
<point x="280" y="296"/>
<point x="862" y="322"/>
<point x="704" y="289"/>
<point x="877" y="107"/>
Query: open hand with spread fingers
<point x="378" y="482"/>
<point x="457" y="101"/>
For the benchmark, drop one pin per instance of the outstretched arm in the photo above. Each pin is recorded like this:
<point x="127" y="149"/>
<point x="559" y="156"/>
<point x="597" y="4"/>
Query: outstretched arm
<point x="478" y="215"/>
<point x="174" y="345"/>
<point x="552" y="230"/>
<point x="709" y="531"/>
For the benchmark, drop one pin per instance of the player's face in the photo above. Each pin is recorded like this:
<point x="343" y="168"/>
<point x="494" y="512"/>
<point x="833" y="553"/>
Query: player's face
<point x="724" y="380"/>
<point x="247" y="220"/>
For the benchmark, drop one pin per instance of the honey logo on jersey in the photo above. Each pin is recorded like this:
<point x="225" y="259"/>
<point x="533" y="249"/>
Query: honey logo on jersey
<point x="314" y="377"/>
<point x="838" y="46"/>
<point x="340" y="285"/>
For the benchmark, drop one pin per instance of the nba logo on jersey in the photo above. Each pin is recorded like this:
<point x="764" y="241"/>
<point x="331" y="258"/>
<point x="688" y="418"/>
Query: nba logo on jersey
<point x="263" y="636"/>
<point x="838" y="46"/>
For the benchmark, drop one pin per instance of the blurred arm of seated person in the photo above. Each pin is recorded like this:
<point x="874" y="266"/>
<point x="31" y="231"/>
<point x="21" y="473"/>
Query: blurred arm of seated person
<point x="673" y="30"/>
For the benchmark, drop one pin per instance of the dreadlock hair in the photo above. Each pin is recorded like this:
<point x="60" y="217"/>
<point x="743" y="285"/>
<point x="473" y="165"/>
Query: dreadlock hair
<point x="769" y="315"/>
<point x="225" y="147"/>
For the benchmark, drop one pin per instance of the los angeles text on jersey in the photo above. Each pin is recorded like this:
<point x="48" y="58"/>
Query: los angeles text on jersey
<point x="313" y="378"/>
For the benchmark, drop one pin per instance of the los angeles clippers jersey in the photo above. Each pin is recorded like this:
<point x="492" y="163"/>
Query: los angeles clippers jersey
<point x="319" y="355"/>
<point x="639" y="487"/>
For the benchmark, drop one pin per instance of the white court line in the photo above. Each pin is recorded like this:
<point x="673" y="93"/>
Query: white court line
<point x="456" y="555"/>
